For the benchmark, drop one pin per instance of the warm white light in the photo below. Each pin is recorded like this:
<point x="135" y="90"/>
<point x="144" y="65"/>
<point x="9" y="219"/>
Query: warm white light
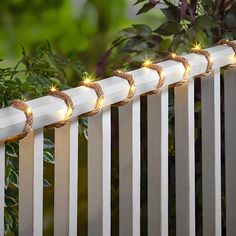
<point x="197" y="47"/>
<point x="29" y="110"/>
<point x="87" y="80"/>
<point x="132" y="88"/>
<point x="53" y="89"/>
<point x="173" y="54"/>
<point x="100" y="102"/>
<point x="147" y="62"/>
<point x="188" y="68"/>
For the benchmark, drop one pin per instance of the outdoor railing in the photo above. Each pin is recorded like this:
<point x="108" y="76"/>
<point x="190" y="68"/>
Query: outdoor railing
<point x="48" y="110"/>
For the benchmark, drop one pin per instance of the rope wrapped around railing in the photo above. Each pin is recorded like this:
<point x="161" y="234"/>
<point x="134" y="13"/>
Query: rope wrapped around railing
<point x="140" y="81"/>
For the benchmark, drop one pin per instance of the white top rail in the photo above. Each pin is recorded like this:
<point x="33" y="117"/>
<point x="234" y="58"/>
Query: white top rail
<point x="47" y="110"/>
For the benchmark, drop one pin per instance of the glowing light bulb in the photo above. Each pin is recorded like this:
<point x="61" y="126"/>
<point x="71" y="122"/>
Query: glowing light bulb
<point x="132" y="88"/>
<point x="53" y="89"/>
<point x="197" y="47"/>
<point x="29" y="110"/>
<point x="173" y="54"/>
<point x="162" y="74"/>
<point x="100" y="102"/>
<point x="69" y="111"/>
<point x="188" y="68"/>
<point x="147" y="62"/>
<point x="87" y="80"/>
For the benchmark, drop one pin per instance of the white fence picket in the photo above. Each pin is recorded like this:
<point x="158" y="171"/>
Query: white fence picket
<point x="31" y="184"/>
<point x="2" y="186"/>
<point x="157" y="126"/>
<point x="66" y="179"/>
<point x="129" y="168"/>
<point x="230" y="149"/>
<point x="211" y="154"/>
<point x="184" y="159"/>
<point x="99" y="173"/>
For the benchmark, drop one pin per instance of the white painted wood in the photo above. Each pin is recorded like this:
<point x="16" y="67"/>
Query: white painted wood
<point x="66" y="179"/>
<point x="48" y="110"/>
<point x="230" y="149"/>
<point x="2" y="186"/>
<point x="99" y="174"/>
<point x="157" y="126"/>
<point x="211" y="154"/>
<point x="184" y="159"/>
<point x="31" y="184"/>
<point x="129" y="168"/>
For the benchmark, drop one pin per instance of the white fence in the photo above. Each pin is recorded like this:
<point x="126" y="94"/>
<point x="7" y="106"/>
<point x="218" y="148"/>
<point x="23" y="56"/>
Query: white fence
<point x="47" y="110"/>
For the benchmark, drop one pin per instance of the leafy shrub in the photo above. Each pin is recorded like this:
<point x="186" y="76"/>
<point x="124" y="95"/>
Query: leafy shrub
<point x="32" y="77"/>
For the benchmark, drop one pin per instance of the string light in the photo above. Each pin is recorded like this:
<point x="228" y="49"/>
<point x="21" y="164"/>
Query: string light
<point x="29" y="110"/>
<point x="197" y="46"/>
<point x="231" y="44"/>
<point x="69" y="103"/>
<point x="53" y="88"/>
<point x="198" y="50"/>
<point x="186" y="65"/>
<point x="130" y="80"/>
<point x="147" y="62"/>
<point x="22" y="106"/>
<point x="100" y="95"/>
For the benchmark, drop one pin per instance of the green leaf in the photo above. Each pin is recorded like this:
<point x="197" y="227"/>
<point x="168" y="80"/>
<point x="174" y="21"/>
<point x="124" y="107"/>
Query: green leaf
<point x="142" y="30"/>
<point x="46" y="183"/>
<point x="172" y="13"/>
<point x="165" y="44"/>
<point x="10" y="202"/>
<point x="168" y="28"/>
<point x="230" y="18"/>
<point x="48" y="144"/>
<point x="139" y="1"/>
<point x="48" y="157"/>
<point x="205" y="22"/>
<point x="146" y="7"/>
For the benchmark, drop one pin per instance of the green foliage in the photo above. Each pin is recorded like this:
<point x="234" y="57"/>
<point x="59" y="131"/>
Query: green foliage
<point x="30" y="78"/>
<point x="188" y="23"/>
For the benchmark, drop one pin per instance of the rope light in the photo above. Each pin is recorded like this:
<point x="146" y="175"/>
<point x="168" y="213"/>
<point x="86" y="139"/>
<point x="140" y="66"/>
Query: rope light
<point x="228" y="43"/>
<point x="160" y="71"/>
<point x="70" y="107"/>
<point x="100" y="96"/>
<point x="186" y="65"/>
<point x="129" y="78"/>
<point x="197" y="49"/>
<point x="22" y="106"/>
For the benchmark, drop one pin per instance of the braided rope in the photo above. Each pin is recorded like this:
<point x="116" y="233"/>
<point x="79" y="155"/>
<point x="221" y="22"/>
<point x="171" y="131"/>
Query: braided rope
<point x="233" y="46"/>
<point x="100" y="97"/>
<point x="129" y="78"/>
<point x="209" y="60"/>
<point x="70" y="107"/>
<point x="187" y="67"/>
<point x="22" y="106"/>
<point x="161" y="81"/>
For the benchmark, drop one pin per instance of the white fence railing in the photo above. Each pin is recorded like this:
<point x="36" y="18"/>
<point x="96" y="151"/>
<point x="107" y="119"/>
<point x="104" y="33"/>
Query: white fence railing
<point x="47" y="110"/>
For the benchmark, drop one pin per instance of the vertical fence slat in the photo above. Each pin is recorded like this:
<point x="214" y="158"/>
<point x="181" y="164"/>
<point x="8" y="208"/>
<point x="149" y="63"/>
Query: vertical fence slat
<point x="99" y="173"/>
<point x="157" y="125"/>
<point x="2" y="186"/>
<point x="31" y="184"/>
<point x="211" y="154"/>
<point x="230" y="149"/>
<point x="184" y="159"/>
<point x="129" y="168"/>
<point x="66" y="179"/>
